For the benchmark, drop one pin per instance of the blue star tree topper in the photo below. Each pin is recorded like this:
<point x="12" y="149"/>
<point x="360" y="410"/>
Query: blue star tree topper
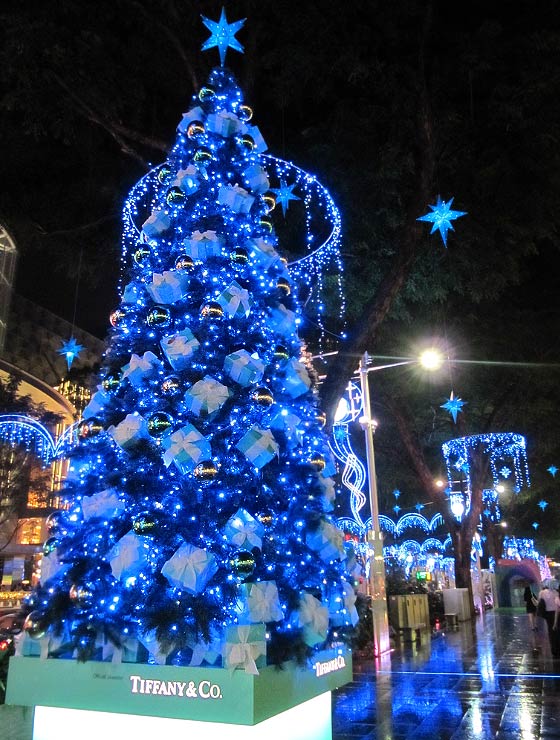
<point x="222" y="35"/>
<point x="284" y="195"/>
<point x="454" y="406"/>
<point x="441" y="217"/>
<point x="70" y="349"/>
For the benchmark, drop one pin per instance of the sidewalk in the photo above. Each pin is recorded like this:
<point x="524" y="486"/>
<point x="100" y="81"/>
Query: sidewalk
<point x="492" y="678"/>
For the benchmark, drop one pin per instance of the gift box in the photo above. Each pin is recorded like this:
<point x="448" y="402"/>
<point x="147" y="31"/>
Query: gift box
<point x="313" y="618"/>
<point x="105" y="504"/>
<point x="342" y="606"/>
<point x="190" y="568"/>
<point x="167" y="287"/>
<point x="206" y="396"/>
<point x="179" y="348"/>
<point x="235" y="300"/>
<point x="327" y="541"/>
<point x="259" y="602"/>
<point x="27" y="647"/>
<point x="140" y="369"/>
<point x="129" y="555"/>
<point x="245" y="532"/>
<point x="286" y="422"/>
<point x="129" y="650"/>
<point x="194" y="114"/>
<point x="328" y="490"/>
<point x="223" y="123"/>
<point x="330" y="464"/>
<point x="50" y="566"/>
<point x="244" y="368"/>
<point x="203" y="244"/>
<point x="154" y="647"/>
<point x="185" y="448"/>
<point x="245" y="647"/>
<point x="282" y="321"/>
<point x="296" y="380"/>
<point x="97" y="403"/>
<point x="262" y="252"/>
<point x="254" y="131"/>
<point x="132" y="293"/>
<point x="158" y="222"/>
<point x="188" y="180"/>
<point x="236" y="198"/>
<point x="256" y="178"/>
<point x="258" y="445"/>
<point x="131" y="430"/>
<point x="206" y="652"/>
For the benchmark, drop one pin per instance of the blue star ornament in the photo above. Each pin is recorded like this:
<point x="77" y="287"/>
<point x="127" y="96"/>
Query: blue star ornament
<point x="543" y="504"/>
<point x="222" y="35"/>
<point x="70" y="349"/>
<point x="441" y="217"/>
<point x="454" y="406"/>
<point x="552" y="470"/>
<point x="284" y="195"/>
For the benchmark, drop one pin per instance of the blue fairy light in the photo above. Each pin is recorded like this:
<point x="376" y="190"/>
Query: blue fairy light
<point x="222" y="35"/>
<point x="552" y="470"/>
<point x="396" y="493"/>
<point x="284" y="195"/>
<point x="70" y="350"/>
<point x="535" y="525"/>
<point x="543" y="504"/>
<point x="441" y="217"/>
<point x="454" y="406"/>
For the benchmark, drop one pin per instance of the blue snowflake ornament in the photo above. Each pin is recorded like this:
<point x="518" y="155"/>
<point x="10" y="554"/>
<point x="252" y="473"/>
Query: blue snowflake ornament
<point x="505" y="472"/>
<point x="454" y="406"/>
<point x="284" y="195"/>
<point x="441" y="217"/>
<point x="222" y="35"/>
<point x="70" y="349"/>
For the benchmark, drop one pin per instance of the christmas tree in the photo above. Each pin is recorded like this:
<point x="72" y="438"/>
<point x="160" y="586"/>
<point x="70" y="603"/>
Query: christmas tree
<point x="200" y="492"/>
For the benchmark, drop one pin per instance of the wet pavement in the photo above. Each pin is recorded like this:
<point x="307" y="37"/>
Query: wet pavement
<point x="491" y="678"/>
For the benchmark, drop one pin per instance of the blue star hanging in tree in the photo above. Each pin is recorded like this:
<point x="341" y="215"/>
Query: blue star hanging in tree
<point x="222" y="35"/>
<point x="454" y="406"/>
<point x="553" y="470"/>
<point x="543" y="504"/>
<point x="70" y="349"/>
<point x="396" y="493"/>
<point x="441" y="217"/>
<point x="535" y="525"/>
<point x="396" y="508"/>
<point x="419" y="507"/>
<point x="284" y="195"/>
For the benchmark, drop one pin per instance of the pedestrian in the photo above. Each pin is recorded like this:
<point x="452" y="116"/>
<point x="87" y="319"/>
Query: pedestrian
<point x="531" y="602"/>
<point x="548" y="606"/>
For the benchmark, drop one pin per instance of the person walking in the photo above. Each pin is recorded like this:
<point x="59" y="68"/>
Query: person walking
<point x="548" y="606"/>
<point x="531" y="602"/>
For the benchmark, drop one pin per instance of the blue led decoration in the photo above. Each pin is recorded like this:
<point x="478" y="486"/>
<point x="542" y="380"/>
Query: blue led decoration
<point x="18" y="429"/>
<point x="222" y="35"/>
<point x="396" y="493"/>
<point x="454" y="406"/>
<point x="441" y="217"/>
<point x="396" y="508"/>
<point x="543" y="504"/>
<point x="552" y="470"/>
<point x="505" y="472"/>
<point x="490" y="499"/>
<point x="284" y="195"/>
<point x="520" y="548"/>
<point x="70" y="350"/>
<point x="419" y="507"/>
<point x="535" y="525"/>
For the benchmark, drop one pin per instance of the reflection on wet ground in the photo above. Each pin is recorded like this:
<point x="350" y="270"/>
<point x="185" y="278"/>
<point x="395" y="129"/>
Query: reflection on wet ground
<point x="491" y="678"/>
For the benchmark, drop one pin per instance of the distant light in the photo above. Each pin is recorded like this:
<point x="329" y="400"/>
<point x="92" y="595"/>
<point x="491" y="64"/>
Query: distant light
<point x="440" y="483"/>
<point x="500" y="488"/>
<point x="431" y="359"/>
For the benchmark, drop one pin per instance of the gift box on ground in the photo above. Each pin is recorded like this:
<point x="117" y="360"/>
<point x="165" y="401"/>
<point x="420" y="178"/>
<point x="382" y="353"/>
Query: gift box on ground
<point x="97" y="403"/>
<point x="188" y="180"/>
<point x="223" y="123"/>
<point x="245" y="648"/>
<point x="179" y="348"/>
<point x="342" y="606"/>
<point x="140" y="369"/>
<point x="327" y="541"/>
<point x="244" y="368"/>
<point x="168" y="287"/>
<point x="254" y="132"/>
<point x="105" y="504"/>
<point x="296" y="378"/>
<point x="131" y="430"/>
<point x="129" y="555"/>
<point x="156" y="224"/>
<point x="129" y="650"/>
<point x="258" y="445"/>
<point x="190" y="568"/>
<point x="259" y="602"/>
<point x="236" y="198"/>
<point x="244" y="531"/>
<point x="185" y="448"/>
<point x="256" y="178"/>
<point x="206" y="396"/>
<point x="203" y="244"/>
<point x="262" y="252"/>
<point x="235" y="300"/>
<point x="194" y="114"/>
<point x="313" y="618"/>
<point x="132" y="293"/>
<point x="282" y="320"/>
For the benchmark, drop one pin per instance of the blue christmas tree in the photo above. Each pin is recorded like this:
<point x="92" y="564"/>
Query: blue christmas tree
<point x="200" y="492"/>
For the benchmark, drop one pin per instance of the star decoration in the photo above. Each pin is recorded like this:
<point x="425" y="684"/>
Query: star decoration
<point x="552" y="470"/>
<point x="396" y="508"/>
<point x="222" y="35"/>
<point x="396" y="493"/>
<point x="535" y="525"/>
<point x="441" y="217"/>
<point x="505" y="472"/>
<point x="70" y="349"/>
<point x="285" y="195"/>
<point x="419" y="507"/>
<point x="543" y="504"/>
<point x="454" y="406"/>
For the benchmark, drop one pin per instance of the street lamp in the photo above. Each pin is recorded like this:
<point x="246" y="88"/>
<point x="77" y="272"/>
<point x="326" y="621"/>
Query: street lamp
<point x="430" y="360"/>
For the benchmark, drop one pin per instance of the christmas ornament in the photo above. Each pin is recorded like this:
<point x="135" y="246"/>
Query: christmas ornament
<point x="265" y="517"/>
<point x="159" y="423"/>
<point x="441" y="217"/>
<point x="246" y="141"/>
<point x="206" y="93"/>
<point x="70" y="350"/>
<point x="245" y="113"/>
<point x="283" y="285"/>
<point x="262" y="396"/>
<point x="144" y="523"/>
<point x="321" y="418"/>
<point x="239" y="256"/>
<point x="158" y="316"/>
<point x="190" y="568"/>
<point x="205" y="470"/>
<point x="35" y="625"/>
<point x="131" y="430"/>
<point x="266" y="224"/>
<point x="117" y="317"/>
<point x="111" y="382"/>
<point x="242" y="564"/>
<point x="50" y="545"/>
<point x="80" y="595"/>
<point x="106" y="504"/>
<point x="195" y="129"/>
<point x="171" y="385"/>
<point x="318" y="462"/>
<point x="55" y="521"/>
<point x="222" y="35"/>
<point x="203" y="154"/>
<point x="269" y="200"/>
<point x="88" y="428"/>
<point x="281" y="352"/>
<point x="184" y="262"/>
<point x="164" y="174"/>
<point x="454" y="406"/>
<point x="175" y="196"/>
<point x="186" y="448"/>
<point x="212" y="310"/>
<point x="141" y="254"/>
<point x="285" y="195"/>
